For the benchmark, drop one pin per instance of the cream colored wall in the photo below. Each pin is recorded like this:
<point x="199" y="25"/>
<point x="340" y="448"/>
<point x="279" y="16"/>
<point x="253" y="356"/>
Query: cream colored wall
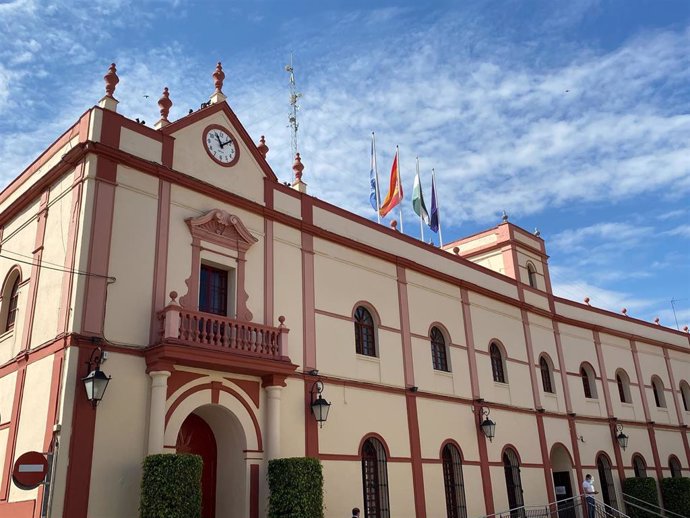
<point x="534" y="490"/>
<point x="442" y="420"/>
<point x="245" y="178"/>
<point x="357" y="412"/>
<point x="287" y="295"/>
<point x="120" y="439"/>
<point x="618" y="355"/>
<point x="7" y="387"/>
<point x="518" y="429"/>
<point x="132" y="252"/>
<point x="292" y="419"/>
<point x="34" y="413"/>
<point x="140" y="145"/>
<point x="339" y="498"/>
<point x="287" y="204"/>
<point x="578" y="347"/>
<point x="669" y="442"/>
<point x="543" y="342"/>
<point x="493" y="260"/>
<point x="49" y="293"/>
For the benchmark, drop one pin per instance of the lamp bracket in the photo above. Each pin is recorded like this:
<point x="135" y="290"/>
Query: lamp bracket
<point x="98" y="356"/>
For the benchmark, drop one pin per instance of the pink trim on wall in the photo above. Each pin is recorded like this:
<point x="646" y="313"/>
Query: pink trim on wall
<point x="14" y="428"/>
<point x="602" y="373"/>
<point x="30" y="312"/>
<point x="487" y="488"/>
<point x="686" y="444"/>
<point x="403" y="303"/>
<point x="640" y="380"/>
<point x="471" y="356"/>
<point x="311" y="430"/>
<point x="23" y="509"/>
<point x="674" y="388"/>
<point x="416" y="455"/>
<point x="562" y="367"/>
<point x="546" y="459"/>
<point x="254" y="491"/>
<point x="268" y="272"/>
<point x="655" y="451"/>
<point x="530" y="358"/>
<point x="576" y="450"/>
<point x="70" y="255"/>
<point x="308" y="302"/>
<point x="99" y="255"/>
<point x="616" y="450"/>
<point x="160" y="261"/>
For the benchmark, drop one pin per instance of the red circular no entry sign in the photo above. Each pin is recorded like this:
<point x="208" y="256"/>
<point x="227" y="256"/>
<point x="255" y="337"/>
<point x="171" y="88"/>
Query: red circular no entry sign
<point x="30" y="470"/>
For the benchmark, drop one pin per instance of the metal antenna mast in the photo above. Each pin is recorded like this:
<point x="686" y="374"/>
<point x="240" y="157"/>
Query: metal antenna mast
<point x="294" y="107"/>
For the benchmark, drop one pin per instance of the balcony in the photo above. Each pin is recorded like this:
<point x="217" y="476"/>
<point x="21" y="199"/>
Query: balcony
<point x="198" y="339"/>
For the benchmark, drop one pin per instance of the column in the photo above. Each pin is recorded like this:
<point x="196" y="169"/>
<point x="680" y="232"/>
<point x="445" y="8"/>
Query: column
<point x="273" y="395"/>
<point x="159" y="390"/>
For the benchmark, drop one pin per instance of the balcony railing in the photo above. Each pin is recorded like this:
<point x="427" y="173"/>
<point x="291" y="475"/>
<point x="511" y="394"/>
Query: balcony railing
<point x="196" y="328"/>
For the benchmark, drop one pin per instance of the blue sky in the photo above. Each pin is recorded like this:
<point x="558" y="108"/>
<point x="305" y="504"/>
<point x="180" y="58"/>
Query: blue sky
<point x="572" y="116"/>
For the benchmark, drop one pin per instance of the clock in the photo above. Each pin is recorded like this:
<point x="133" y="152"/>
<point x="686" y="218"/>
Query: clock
<point x="220" y="145"/>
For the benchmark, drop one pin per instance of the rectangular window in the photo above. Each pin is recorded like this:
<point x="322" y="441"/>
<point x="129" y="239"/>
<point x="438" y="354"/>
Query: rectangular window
<point x="213" y="290"/>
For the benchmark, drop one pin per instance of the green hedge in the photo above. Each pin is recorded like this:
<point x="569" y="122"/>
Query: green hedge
<point x="296" y="486"/>
<point x="643" y="489"/>
<point x="676" y="495"/>
<point x="171" y="486"/>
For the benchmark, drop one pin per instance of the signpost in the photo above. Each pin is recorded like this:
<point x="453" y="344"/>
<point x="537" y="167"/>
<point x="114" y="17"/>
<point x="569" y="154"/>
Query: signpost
<point x="30" y="470"/>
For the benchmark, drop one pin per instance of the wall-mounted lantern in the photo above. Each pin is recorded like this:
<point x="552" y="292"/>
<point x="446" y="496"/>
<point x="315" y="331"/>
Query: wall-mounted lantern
<point x="621" y="437"/>
<point x="319" y="406"/>
<point x="487" y="426"/>
<point x="96" y="381"/>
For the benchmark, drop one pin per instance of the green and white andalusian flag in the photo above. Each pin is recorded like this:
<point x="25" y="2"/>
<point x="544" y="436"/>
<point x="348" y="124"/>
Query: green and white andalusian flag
<point x="418" y="198"/>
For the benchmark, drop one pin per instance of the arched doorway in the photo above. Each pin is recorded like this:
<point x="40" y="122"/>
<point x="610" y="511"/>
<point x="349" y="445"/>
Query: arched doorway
<point x="196" y="437"/>
<point x="608" y="490"/>
<point x="217" y="434"/>
<point x="511" y="470"/>
<point x="561" y="468"/>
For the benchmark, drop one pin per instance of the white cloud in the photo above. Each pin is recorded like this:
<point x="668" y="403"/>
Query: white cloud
<point x="680" y="231"/>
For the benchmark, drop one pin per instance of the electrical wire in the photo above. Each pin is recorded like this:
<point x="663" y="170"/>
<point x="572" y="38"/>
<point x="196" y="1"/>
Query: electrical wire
<point x="57" y="268"/>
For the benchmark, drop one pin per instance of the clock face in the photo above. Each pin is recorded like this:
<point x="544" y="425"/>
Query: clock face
<point x="221" y="146"/>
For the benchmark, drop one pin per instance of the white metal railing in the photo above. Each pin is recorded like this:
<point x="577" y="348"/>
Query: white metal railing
<point x="574" y="507"/>
<point x="648" y="507"/>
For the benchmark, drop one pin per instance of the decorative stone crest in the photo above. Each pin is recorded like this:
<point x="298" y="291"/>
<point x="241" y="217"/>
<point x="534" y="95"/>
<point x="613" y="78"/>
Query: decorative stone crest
<point x="222" y="228"/>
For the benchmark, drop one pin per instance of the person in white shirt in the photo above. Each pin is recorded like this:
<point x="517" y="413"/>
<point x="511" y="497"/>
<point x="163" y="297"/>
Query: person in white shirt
<point x="589" y="490"/>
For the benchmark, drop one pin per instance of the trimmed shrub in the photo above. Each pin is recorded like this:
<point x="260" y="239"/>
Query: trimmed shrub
<point x="675" y="493"/>
<point x="296" y="486"/>
<point x="171" y="486"/>
<point x="642" y="489"/>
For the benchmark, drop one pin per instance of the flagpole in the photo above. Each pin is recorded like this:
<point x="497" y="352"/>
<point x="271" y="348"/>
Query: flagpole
<point x="421" y="220"/>
<point x="397" y="155"/>
<point x="376" y="174"/>
<point x="438" y="209"/>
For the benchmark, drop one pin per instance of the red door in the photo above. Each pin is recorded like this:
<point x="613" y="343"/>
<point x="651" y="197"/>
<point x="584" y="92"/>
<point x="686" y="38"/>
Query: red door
<point x="197" y="437"/>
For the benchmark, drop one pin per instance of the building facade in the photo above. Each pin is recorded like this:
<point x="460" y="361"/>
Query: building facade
<point x="220" y="297"/>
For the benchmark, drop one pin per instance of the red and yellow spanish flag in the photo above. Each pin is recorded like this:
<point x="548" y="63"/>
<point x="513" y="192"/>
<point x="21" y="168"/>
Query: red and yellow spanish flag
<point x="395" y="190"/>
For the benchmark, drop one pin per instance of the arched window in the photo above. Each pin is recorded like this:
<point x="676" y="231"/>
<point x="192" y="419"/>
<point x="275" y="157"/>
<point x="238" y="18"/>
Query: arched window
<point x="10" y="299"/>
<point x="511" y="469"/>
<point x="532" y="275"/>
<point x="658" y="390"/>
<point x="439" y="353"/>
<point x="623" y="382"/>
<point x="639" y="466"/>
<point x="685" y="395"/>
<point x="674" y="465"/>
<point x="546" y="380"/>
<point x="375" y="479"/>
<point x="365" y="341"/>
<point x="588" y="378"/>
<point x="608" y="490"/>
<point x="497" y="363"/>
<point x="456" y="507"/>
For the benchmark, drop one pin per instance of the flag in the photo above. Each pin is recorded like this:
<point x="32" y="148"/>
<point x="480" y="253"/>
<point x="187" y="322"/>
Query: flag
<point x="372" y="179"/>
<point x="433" y="216"/>
<point x="418" y="198"/>
<point x="395" y="191"/>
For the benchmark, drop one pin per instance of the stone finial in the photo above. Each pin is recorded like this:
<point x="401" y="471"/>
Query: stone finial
<point x="164" y="103"/>
<point x="537" y="233"/>
<point x="394" y="225"/>
<point x="686" y="329"/>
<point x="656" y="321"/>
<point x="587" y="301"/>
<point x="456" y="250"/>
<point x="298" y="167"/>
<point x="111" y="80"/>
<point x="504" y="217"/>
<point x="108" y="102"/>
<point x="625" y="311"/>
<point x="173" y="297"/>
<point x="218" y="78"/>
<point x="281" y="319"/>
<point x="262" y="147"/>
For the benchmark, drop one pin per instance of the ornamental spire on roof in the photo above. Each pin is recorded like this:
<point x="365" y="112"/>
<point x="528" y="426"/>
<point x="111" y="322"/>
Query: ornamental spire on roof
<point x="298" y="167"/>
<point x="218" y="78"/>
<point x="109" y="102"/>
<point x="164" y="103"/>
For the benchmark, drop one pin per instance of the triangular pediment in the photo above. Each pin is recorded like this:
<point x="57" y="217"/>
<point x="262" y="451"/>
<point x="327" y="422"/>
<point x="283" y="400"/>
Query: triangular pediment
<point x="192" y="155"/>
